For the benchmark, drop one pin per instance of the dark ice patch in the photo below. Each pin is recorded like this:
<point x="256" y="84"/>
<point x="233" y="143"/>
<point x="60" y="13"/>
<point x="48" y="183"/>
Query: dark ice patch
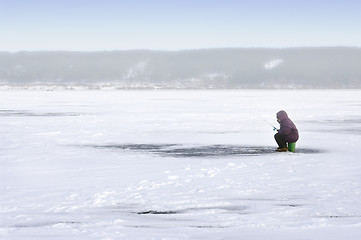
<point x="215" y="151"/>
<point x="44" y="224"/>
<point x="308" y="150"/>
<point x="290" y="205"/>
<point x="208" y="226"/>
<point x="339" y="216"/>
<point x="26" y="113"/>
<point x="199" y="151"/>
<point x="232" y="208"/>
<point x="138" y="147"/>
<point x="157" y="212"/>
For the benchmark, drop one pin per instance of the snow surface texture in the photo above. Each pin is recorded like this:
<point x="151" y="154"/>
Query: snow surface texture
<point x="178" y="165"/>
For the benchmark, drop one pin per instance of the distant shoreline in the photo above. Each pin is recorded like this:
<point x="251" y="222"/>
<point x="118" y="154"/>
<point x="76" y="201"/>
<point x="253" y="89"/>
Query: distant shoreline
<point x="221" y="68"/>
<point x="115" y="87"/>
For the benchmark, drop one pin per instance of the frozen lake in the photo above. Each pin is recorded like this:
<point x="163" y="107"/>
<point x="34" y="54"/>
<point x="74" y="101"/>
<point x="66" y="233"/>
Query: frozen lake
<point x="179" y="165"/>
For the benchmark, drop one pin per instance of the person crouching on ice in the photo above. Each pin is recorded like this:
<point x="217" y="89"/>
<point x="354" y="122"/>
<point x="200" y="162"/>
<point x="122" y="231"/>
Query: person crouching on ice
<point x="287" y="133"/>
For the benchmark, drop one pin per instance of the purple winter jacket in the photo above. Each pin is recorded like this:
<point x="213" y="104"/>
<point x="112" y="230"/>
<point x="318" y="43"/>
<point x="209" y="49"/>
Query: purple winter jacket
<point x="287" y="128"/>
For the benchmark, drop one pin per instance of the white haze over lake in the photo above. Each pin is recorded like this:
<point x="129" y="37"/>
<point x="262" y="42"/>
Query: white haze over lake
<point x="228" y="68"/>
<point x="178" y="165"/>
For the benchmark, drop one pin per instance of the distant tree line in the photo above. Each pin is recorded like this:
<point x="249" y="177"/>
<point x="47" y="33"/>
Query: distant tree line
<point x="328" y="67"/>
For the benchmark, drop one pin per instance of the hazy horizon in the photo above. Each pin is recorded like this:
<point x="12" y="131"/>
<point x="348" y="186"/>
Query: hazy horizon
<point x="231" y="68"/>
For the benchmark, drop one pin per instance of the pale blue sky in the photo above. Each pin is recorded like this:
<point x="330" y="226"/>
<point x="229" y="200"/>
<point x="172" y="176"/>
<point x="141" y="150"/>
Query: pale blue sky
<point x="92" y="25"/>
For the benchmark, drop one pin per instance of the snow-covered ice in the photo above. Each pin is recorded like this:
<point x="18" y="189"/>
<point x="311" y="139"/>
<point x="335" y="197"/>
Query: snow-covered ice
<point x="178" y="165"/>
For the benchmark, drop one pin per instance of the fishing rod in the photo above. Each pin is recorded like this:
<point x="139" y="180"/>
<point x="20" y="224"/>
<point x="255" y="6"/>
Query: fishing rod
<point x="274" y="128"/>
